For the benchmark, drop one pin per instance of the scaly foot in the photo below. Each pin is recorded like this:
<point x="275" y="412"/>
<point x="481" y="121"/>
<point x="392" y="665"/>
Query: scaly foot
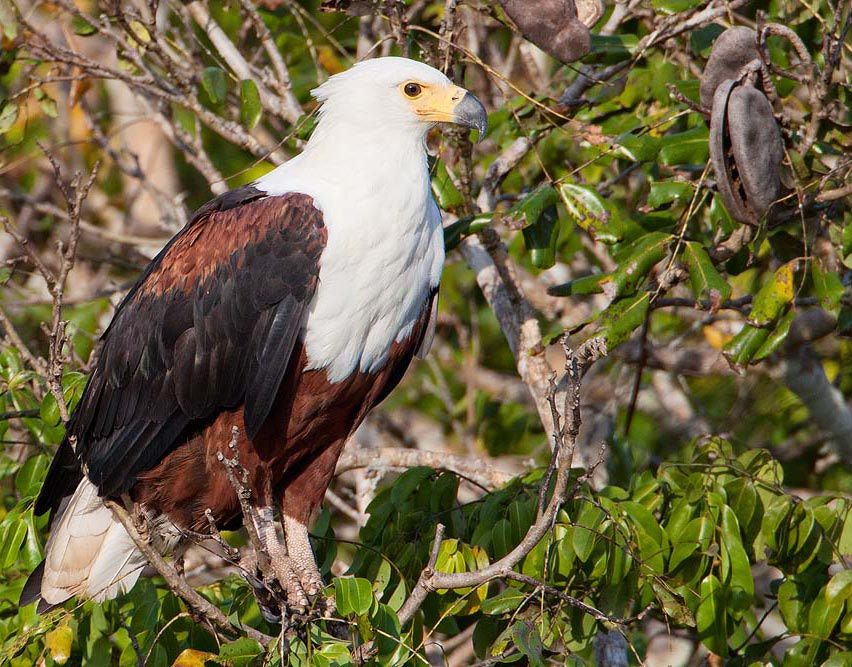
<point x="304" y="562"/>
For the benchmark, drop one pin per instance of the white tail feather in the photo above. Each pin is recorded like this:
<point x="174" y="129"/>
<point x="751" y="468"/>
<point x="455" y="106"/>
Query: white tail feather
<point x="89" y="554"/>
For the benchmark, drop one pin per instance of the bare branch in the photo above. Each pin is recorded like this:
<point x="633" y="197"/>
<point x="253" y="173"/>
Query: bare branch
<point x="199" y="605"/>
<point x="477" y="469"/>
<point x="564" y="436"/>
<point x="291" y="109"/>
<point x="237" y="63"/>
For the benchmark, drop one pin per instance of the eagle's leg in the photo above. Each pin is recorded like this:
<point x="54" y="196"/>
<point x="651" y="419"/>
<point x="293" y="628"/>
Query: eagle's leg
<point x="302" y="556"/>
<point x="282" y="565"/>
<point x="301" y="494"/>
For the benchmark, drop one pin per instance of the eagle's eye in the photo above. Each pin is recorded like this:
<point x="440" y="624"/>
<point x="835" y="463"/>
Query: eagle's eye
<point x="412" y="89"/>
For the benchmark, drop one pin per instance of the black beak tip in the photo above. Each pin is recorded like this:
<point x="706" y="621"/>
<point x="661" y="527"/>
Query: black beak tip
<point x="470" y="113"/>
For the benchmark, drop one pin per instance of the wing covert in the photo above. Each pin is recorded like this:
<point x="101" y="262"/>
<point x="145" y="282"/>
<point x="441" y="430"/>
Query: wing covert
<point x="210" y="325"/>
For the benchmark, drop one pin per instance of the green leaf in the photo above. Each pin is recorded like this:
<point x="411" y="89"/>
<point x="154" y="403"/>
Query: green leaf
<point x="540" y="239"/>
<point x="705" y="280"/>
<point x="738" y="579"/>
<point x="776" y="338"/>
<point x="30" y="476"/>
<point x="639" y="147"/>
<point x="586" y="531"/>
<point x="587" y="208"/>
<point x="591" y="284"/>
<point x="769" y="304"/>
<point x="688" y="147"/>
<point x="250" y="108"/>
<point x="674" y="6"/>
<point x="388" y="629"/>
<point x="11" y="538"/>
<point x="634" y="265"/>
<point x="842" y="659"/>
<point x="49" y="410"/>
<point x="501" y="538"/>
<point x="408" y="482"/>
<point x="448" y="195"/>
<point x="792" y="603"/>
<point x="745" y="501"/>
<point x="616" y="46"/>
<point x="824" y="614"/>
<point x="505" y="601"/>
<point x="710" y="618"/>
<point x="828" y="287"/>
<point x="775" y="295"/>
<point x="653" y="546"/>
<point x="803" y="653"/>
<point x="621" y="319"/>
<point x="673" y="605"/>
<point x="693" y="537"/>
<point x="454" y="233"/>
<point x="446" y="561"/>
<point x="528" y="643"/>
<point x="840" y="586"/>
<point x="215" y="84"/>
<point x="742" y="347"/>
<point x="82" y="27"/>
<point x="530" y="208"/>
<point x="353" y="595"/>
<point x="241" y="652"/>
<point x="8" y="116"/>
<point x="670" y="191"/>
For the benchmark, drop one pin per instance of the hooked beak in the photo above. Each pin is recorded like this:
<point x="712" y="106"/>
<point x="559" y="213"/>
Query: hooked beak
<point x="469" y="112"/>
<point x="451" y="104"/>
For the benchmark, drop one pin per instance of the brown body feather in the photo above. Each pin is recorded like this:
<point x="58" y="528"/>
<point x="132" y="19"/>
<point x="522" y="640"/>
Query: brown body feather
<point x="292" y="458"/>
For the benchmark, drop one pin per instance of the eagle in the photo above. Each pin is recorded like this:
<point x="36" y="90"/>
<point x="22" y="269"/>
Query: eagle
<point x="281" y="314"/>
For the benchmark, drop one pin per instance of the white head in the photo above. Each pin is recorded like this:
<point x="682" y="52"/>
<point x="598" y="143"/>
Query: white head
<point x="397" y="95"/>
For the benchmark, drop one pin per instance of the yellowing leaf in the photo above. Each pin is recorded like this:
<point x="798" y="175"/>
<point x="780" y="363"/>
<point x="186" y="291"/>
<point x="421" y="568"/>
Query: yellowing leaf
<point x="58" y="643"/>
<point x="140" y="31"/>
<point x="329" y="61"/>
<point x="192" y="658"/>
<point x="716" y="336"/>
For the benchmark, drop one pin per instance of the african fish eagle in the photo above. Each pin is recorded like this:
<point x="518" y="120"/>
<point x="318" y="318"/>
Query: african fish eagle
<point x="287" y="308"/>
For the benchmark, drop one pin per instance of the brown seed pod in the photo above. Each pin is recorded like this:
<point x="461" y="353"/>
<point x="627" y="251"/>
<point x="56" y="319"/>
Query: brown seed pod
<point x="733" y="49"/>
<point x="552" y="25"/>
<point x="745" y="150"/>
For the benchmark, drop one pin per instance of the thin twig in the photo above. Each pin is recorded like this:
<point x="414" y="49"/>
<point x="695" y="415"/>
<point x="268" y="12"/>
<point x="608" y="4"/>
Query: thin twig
<point x="430" y="579"/>
<point x="196" y="602"/>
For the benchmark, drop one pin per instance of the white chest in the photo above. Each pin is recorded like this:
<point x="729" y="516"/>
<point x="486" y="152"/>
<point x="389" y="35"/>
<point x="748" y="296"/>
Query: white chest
<point x="384" y="254"/>
<point x="374" y="282"/>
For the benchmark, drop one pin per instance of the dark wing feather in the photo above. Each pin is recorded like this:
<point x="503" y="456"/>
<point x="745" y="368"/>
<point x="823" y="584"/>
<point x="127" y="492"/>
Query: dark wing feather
<point x="272" y="361"/>
<point x="210" y="325"/>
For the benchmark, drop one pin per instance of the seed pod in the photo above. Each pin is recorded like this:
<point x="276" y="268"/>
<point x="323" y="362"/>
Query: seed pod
<point x="552" y="25"/>
<point x="745" y="150"/>
<point x="733" y="49"/>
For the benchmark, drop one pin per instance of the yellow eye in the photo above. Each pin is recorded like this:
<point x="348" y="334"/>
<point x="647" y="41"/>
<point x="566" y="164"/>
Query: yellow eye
<point x="412" y="89"/>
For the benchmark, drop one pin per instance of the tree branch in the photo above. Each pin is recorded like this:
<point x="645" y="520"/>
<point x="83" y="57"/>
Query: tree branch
<point x="178" y="585"/>
<point x="478" y="470"/>
<point x="564" y="436"/>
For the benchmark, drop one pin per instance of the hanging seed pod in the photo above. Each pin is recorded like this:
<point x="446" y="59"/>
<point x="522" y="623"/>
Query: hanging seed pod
<point x="552" y="25"/>
<point x="745" y="150"/>
<point x="733" y="49"/>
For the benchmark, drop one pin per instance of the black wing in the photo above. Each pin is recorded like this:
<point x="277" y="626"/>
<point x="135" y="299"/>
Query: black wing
<point x="209" y="326"/>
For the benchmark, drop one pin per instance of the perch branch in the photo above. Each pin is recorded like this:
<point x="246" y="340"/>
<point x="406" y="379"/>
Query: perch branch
<point x="564" y="435"/>
<point x="178" y="585"/>
<point x="476" y="469"/>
